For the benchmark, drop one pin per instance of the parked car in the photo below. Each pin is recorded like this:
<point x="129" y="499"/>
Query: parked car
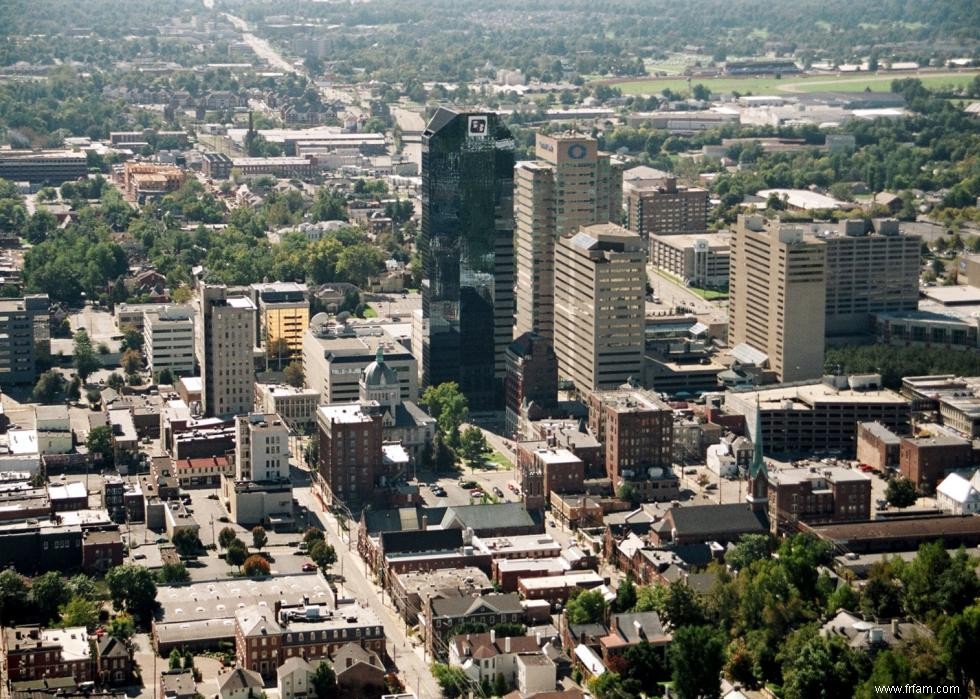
<point x="477" y="493"/>
<point x="498" y="492"/>
<point x="308" y="567"/>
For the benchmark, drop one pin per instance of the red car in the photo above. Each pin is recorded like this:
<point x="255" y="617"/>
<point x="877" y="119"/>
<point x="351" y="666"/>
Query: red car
<point x="308" y="567"/>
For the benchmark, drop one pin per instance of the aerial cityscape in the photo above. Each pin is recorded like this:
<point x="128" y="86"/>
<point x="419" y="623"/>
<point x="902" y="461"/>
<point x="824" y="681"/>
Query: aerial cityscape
<point x="539" y="350"/>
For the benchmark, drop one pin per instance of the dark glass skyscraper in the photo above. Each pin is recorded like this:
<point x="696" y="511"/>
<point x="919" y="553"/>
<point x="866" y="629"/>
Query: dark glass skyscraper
<point x="467" y="247"/>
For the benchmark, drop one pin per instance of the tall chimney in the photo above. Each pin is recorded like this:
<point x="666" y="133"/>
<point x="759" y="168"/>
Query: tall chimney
<point x="507" y="644"/>
<point x="493" y="637"/>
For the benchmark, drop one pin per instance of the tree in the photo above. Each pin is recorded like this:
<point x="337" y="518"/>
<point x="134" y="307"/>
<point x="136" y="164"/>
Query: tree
<point x="86" y="360"/>
<point x="166" y="378"/>
<point x="500" y="687"/>
<point x="323" y="555"/>
<point x="626" y="595"/>
<point x="131" y="361"/>
<point x="82" y="585"/>
<point x="825" y="667"/>
<point x="750" y="548"/>
<point x="48" y="593"/>
<point x="186" y="542"/>
<point x="176" y="659"/>
<point x="586" y="608"/>
<point x="324" y="681"/>
<point x="115" y="381"/>
<point x="236" y="553"/>
<point x="49" y="388"/>
<point x="293" y="374"/>
<point x="226" y="536"/>
<point x="697" y="655"/>
<point x="900" y="492"/>
<point x="959" y="638"/>
<point x="79" y="611"/>
<point x="451" y="678"/>
<point x="646" y="665"/>
<point x="473" y="446"/>
<point x="608" y="685"/>
<point x="312" y="536"/>
<point x="174" y="573"/>
<point x="131" y="587"/>
<point x="41" y="224"/>
<point x="259" y="537"/>
<point x="700" y="92"/>
<point x="683" y="607"/>
<point x="256" y="566"/>
<point x="449" y="407"/>
<point x="99" y="441"/>
<point x="13" y="591"/>
<point x="122" y="627"/>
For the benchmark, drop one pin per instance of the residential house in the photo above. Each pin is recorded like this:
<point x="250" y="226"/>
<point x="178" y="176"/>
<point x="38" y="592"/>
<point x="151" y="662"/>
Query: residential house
<point x="360" y="672"/>
<point x="114" y="661"/>
<point x="959" y="496"/>
<point x="484" y="656"/>
<point x="177" y="684"/>
<point x="293" y="678"/>
<point x="240" y="684"/>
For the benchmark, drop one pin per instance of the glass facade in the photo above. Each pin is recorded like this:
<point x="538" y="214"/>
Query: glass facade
<point x="466" y="243"/>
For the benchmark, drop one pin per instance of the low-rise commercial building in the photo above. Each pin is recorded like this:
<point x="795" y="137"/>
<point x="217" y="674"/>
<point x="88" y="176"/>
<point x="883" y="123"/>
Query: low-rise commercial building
<point x="819" y="494"/>
<point x="877" y="445"/>
<point x="697" y="260"/>
<point x="296" y="406"/>
<point x="33" y="653"/>
<point x="927" y="459"/>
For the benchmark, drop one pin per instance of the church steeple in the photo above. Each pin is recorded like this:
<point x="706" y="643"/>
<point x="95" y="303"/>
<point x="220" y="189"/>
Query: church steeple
<point x="758" y="495"/>
<point x="758" y="465"/>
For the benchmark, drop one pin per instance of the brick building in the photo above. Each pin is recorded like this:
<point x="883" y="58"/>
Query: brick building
<point x="444" y="615"/>
<point x="927" y="460"/>
<point x="819" y="494"/>
<point x="33" y="653"/>
<point x="877" y="445"/>
<point x="546" y="469"/>
<point x="349" y="454"/>
<point x="532" y="376"/>
<point x="637" y="432"/>
<point x="264" y="640"/>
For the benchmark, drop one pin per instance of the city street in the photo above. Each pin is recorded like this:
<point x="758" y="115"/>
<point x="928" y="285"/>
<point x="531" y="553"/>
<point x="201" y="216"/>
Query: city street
<point x="408" y="656"/>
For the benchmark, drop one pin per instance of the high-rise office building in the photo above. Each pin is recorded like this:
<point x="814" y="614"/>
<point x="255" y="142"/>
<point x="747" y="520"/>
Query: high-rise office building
<point x="777" y="293"/>
<point x="168" y="339"/>
<point x="284" y="316"/>
<point x="466" y="242"/>
<point x="261" y="448"/>
<point x="868" y="273"/>
<point x="568" y="185"/>
<point x="16" y="342"/>
<point x="225" y="341"/>
<point x="532" y="377"/>
<point x="600" y="282"/>
<point x="666" y="209"/>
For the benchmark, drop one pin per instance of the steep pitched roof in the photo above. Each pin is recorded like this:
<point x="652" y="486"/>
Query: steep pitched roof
<point x="716" y="520"/>
<point x="239" y="678"/>
<point x="484" y="517"/>
<point x="509" y="603"/>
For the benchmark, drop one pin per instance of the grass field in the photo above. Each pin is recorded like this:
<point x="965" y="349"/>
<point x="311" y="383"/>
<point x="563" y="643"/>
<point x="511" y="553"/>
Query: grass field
<point x="708" y="294"/>
<point x="770" y="85"/>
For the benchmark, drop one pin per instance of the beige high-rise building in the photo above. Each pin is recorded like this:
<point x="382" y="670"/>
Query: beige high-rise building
<point x="600" y="281"/>
<point x="569" y="185"/>
<point x="225" y="342"/>
<point x="777" y="295"/>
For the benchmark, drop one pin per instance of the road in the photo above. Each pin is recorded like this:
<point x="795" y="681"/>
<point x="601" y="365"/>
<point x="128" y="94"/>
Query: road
<point x="408" y="657"/>
<point x="673" y="294"/>
<point x="262" y="48"/>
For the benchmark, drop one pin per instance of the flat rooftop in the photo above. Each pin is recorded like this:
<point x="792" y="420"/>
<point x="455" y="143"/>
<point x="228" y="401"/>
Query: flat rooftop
<point x="344" y="413"/>
<point x="834" y="474"/>
<point x="805" y="396"/>
<point x="221" y="599"/>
